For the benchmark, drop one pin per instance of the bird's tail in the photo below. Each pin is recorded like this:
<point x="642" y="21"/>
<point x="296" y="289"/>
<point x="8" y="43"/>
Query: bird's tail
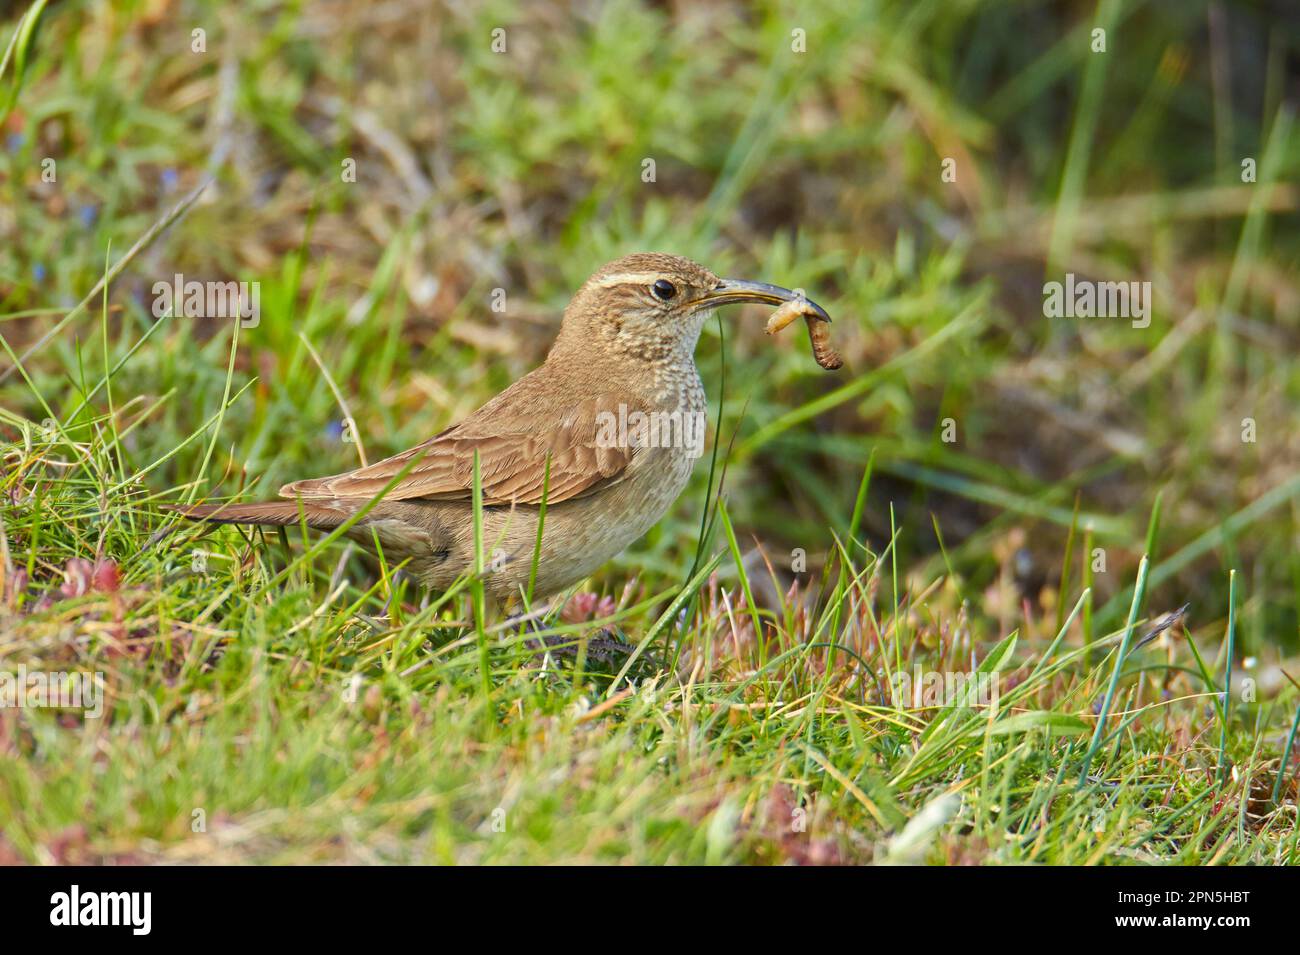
<point x="282" y="513"/>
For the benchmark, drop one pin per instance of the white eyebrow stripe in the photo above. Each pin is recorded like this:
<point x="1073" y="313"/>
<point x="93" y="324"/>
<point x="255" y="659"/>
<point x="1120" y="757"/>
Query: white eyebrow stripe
<point x="624" y="278"/>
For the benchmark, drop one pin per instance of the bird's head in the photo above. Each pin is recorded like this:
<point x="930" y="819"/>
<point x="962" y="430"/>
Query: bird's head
<point x="651" y="306"/>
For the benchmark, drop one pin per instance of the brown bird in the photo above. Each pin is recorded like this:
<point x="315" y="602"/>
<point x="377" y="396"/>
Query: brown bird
<point x="607" y="429"/>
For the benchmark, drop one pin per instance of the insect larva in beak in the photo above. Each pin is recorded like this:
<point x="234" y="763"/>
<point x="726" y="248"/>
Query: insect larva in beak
<point x="818" y="333"/>
<point x="823" y="351"/>
<point x="784" y="315"/>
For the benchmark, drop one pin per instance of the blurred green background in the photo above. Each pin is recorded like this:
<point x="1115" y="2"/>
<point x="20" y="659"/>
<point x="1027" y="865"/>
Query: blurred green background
<point x="802" y="144"/>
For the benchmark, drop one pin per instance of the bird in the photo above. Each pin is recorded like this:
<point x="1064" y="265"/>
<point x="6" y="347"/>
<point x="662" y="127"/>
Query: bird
<point x="605" y="432"/>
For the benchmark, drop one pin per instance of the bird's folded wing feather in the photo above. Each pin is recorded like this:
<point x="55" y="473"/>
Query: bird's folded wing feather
<point x="513" y="451"/>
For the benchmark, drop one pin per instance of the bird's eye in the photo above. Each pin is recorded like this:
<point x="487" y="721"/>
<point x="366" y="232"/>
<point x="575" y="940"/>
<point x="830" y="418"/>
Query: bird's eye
<point x="664" y="290"/>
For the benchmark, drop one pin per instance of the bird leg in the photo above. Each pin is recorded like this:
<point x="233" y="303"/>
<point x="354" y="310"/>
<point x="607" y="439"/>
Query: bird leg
<point x="608" y="646"/>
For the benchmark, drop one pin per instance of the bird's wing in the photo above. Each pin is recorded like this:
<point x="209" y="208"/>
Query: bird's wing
<point x="513" y="450"/>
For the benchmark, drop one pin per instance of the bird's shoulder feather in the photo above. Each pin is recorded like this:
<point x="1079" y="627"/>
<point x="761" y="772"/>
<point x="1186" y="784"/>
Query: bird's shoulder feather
<point x="514" y="435"/>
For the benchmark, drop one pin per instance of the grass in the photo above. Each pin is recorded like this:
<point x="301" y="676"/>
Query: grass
<point x="278" y="698"/>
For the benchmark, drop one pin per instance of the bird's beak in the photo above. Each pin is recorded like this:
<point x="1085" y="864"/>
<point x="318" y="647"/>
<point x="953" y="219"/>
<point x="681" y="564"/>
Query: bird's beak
<point x="733" y="291"/>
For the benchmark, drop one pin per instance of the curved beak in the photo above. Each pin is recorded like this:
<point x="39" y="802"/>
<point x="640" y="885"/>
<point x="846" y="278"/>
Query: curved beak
<point x="734" y="291"/>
